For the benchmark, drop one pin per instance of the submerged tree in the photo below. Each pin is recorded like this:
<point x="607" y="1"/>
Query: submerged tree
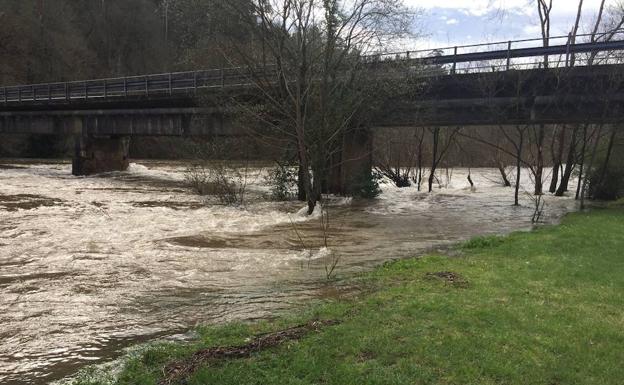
<point x="399" y="155"/>
<point x="441" y="141"/>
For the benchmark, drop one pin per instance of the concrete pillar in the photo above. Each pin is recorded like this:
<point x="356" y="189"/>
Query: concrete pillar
<point x="354" y="163"/>
<point x="94" y="155"/>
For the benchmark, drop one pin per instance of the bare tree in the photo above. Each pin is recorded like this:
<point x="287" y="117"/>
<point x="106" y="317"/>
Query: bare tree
<point x="441" y="141"/>
<point x="558" y="141"/>
<point x="501" y="166"/>
<point x="614" y="21"/>
<point x="574" y="32"/>
<point x="313" y="88"/>
<point x="544" y="7"/>
<point x="537" y="136"/>
<point x="399" y="155"/>
<point x="517" y="139"/>
<point x="606" y="26"/>
<point x="418" y="176"/>
<point x="571" y="160"/>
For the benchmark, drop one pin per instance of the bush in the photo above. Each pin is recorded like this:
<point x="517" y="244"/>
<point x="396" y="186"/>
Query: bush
<point x="196" y="177"/>
<point x="210" y="175"/>
<point x="366" y="185"/>
<point x="214" y="180"/>
<point x="283" y="182"/>
<point x="610" y="188"/>
<point x="608" y="184"/>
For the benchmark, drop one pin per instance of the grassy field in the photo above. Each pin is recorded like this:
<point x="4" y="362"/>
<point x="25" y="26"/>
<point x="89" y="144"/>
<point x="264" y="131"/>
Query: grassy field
<point x="545" y="307"/>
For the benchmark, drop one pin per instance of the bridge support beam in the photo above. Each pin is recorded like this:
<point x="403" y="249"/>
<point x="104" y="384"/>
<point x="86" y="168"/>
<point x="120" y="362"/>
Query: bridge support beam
<point x="353" y="165"/>
<point x="94" y="155"/>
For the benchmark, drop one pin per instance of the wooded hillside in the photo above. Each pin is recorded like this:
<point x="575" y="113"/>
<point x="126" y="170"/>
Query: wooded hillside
<point x="57" y="40"/>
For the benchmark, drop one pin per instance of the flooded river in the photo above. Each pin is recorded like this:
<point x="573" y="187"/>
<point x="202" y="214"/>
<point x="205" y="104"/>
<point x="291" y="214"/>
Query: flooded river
<point x="91" y="265"/>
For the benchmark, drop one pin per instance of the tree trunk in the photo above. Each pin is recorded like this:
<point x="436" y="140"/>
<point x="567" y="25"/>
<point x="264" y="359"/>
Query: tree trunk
<point x="301" y="193"/>
<point x="503" y="173"/>
<point x="317" y="185"/>
<point x="434" y="160"/>
<point x="518" y="171"/>
<point x="555" y="178"/>
<point x="605" y="165"/>
<point x="581" y="172"/>
<point x="591" y="164"/>
<point x="304" y="167"/>
<point x="470" y="180"/>
<point x="565" y="178"/>
<point x="420" y="160"/>
<point x="539" y="167"/>
<point x="307" y="182"/>
<point x="431" y="178"/>
<point x="557" y="157"/>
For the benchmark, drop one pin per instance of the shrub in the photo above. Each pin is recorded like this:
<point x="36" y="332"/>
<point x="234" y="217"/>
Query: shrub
<point x="214" y="180"/>
<point x="608" y="183"/>
<point x="366" y="185"/>
<point x="197" y="178"/>
<point x="283" y="182"/>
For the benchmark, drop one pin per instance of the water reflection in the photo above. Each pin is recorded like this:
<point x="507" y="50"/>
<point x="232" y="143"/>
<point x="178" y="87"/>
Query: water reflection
<point x="90" y="265"/>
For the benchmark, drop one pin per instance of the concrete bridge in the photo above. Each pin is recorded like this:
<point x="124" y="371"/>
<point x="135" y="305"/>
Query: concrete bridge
<point x="459" y="86"/>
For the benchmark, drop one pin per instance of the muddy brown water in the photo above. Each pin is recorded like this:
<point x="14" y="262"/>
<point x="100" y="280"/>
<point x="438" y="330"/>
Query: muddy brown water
<point x="89" y="266"/>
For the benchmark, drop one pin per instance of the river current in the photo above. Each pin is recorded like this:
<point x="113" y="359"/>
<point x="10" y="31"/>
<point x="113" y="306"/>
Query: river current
<point x="91" y="265"/>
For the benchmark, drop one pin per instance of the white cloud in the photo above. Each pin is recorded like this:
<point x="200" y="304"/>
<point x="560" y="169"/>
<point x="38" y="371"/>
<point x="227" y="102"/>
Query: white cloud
<point x="531" y="30"/>
<point x="482" y="7"/>
<point x="447" y="23"/>
<point x="469" y="7"/>
<point x="492" y="20"/>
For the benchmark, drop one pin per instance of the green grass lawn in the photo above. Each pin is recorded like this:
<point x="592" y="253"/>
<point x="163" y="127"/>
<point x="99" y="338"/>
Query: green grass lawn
<point x="545" y="307"/>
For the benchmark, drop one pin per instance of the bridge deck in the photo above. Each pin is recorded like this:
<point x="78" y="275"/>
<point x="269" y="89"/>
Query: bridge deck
<point x="466" y="94"/>
<point x="181" y="84"/>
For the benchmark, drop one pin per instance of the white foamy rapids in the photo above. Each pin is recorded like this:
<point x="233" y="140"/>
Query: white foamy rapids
<point x="313" y="255"/>
<point x="488" y="190"/>
<point x="97" y="245"/>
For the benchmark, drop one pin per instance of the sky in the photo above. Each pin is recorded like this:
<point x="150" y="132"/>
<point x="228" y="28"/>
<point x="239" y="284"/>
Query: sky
<point x="459" y="22"/>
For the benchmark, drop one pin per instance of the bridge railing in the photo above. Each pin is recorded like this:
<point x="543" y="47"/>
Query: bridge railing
<point x="518" y="54"/>
<point x="130" y="86"/>
<point x="498" y="56"/>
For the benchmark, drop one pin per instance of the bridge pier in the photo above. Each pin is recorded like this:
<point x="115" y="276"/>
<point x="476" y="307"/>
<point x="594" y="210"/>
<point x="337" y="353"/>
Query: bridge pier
<point x="97" y="154"/>
<point x="353" y="164"/>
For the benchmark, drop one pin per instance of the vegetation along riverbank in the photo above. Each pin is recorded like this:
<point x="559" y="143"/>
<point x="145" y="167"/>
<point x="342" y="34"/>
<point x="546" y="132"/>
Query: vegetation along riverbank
<point x="543" y="307"/>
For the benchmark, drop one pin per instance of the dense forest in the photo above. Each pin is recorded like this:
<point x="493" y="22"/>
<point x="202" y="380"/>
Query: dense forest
<point x="59" y="40"/>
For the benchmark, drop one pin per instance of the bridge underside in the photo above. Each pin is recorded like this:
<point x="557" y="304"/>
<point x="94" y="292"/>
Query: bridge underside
<point x="507" y="112"/>
<point x="102" y="136"/>
<point x="212" y="123"/>
<point x="538" y="96"/>
<point x="129" y="122"/>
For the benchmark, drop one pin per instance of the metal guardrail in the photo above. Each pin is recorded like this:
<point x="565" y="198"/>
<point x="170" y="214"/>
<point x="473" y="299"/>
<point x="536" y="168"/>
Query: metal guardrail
<point x="191" y="82"/>
<point x="130" y="86"/>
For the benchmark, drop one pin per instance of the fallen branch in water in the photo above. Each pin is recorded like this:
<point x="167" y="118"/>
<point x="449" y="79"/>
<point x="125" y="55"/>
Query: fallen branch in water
<point x="182" y="369"/>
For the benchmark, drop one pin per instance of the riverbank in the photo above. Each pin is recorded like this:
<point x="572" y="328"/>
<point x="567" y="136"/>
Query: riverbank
<point x="544" y="307"/>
